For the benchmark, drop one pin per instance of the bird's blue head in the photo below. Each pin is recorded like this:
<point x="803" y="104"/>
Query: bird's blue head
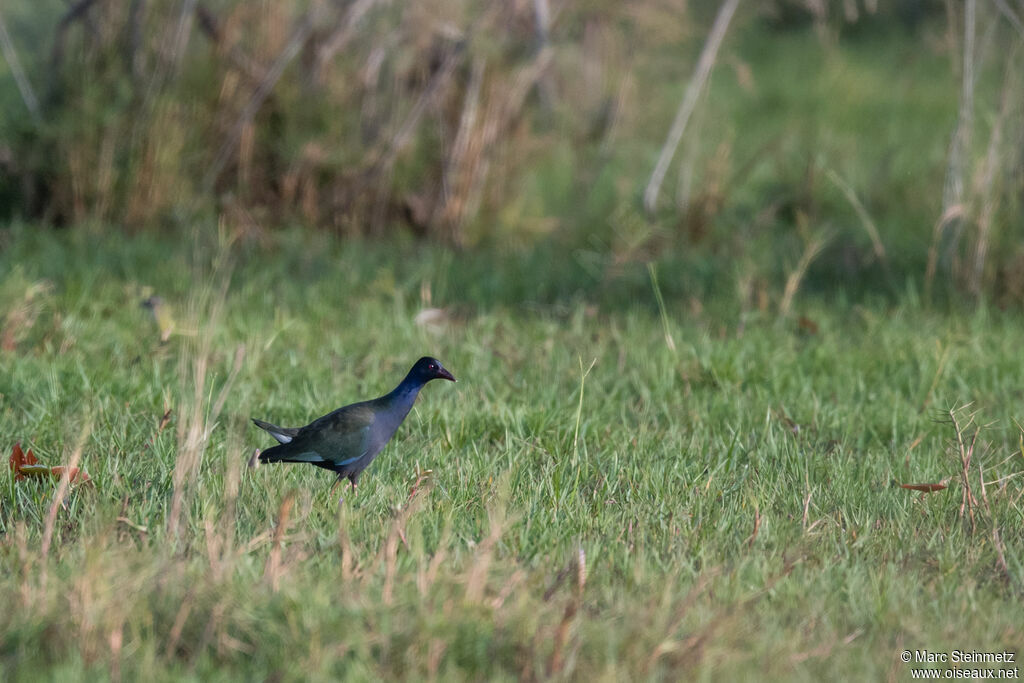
<point x="428" y="368"/>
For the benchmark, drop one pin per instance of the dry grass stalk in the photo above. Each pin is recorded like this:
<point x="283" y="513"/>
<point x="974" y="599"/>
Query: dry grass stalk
<point x="384" y="160"/>
<point x="581" y="572"/>
<point x="240" y="61"/>
<point x="652" y="272"/>
<point x="956" y="212"/>
<point x="458" y="178"/>
<point x="19" y="319"/>
<point x="180" y="619"/>
<point x="513" y="582"/>
<point x="965" y="453"/>
<point x="182" y="34"/>
<point x="116" y="640"/>
<point x="556" y="662"/>
<point x="25" y="560"/>
<point x="58" y="501"/>
<point x="341" y="36"/>
<point x="198" y="419"/>
<point x="939" y="371"/>
<point x="557" y="659"/>
<point x="476" y="579"/>
<point x="28" y="95"/>
<point x="757" y="526"/>
<point x="391" y="558"/>
<point x="426" y="576"/>
<point x="1010" y="15"/>
<point x="477" y="141"/>
<point x="220" y="538"/>
<point x="164" y="421"/>
<point x="347" y="556"/>
<point x="705" y="63"/>
<point x="950" y="226"/>
<point x="807" y="502"/>
<point x="823" y="651"/>
<point x="997" y="541"/>
<point x="214" y="625"/>
<point x="673" y="624"/>
<point x="259" y="96"/>
<point x="232" y="482"/>
<point x="273" y="570"/>
<point x="986" y="188"/>
<point x="865" y="218"/>
<point x="811" y="251"/>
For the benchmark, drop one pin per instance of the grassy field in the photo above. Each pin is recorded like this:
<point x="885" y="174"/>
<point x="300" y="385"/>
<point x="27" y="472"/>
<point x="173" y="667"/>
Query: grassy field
<point x="615" y="489"/>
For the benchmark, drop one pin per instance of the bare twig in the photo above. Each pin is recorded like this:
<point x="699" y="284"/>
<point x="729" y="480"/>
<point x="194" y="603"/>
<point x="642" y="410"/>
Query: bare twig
<point x="1010" y="15"/>
<point x="210" y="27"/>
<point x="341" y="36"/>
<point x="689" y="102"/>
<point x="403" y="136"/>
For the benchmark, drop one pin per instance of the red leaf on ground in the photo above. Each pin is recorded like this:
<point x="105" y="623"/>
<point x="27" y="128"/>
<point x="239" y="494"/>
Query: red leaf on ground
<point x="807" y="325"/>
<point x="76" y="475"/>
<point x="926" y="488"/>
<point x="25" y="465"/>
<point x="19" y="459"/>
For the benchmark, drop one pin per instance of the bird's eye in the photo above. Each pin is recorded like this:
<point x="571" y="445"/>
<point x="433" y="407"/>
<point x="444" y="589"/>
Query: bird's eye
<point x="432" y="367"/>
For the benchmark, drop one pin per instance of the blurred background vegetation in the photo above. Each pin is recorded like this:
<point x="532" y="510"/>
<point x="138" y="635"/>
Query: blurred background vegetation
<point x="857" y="144"/>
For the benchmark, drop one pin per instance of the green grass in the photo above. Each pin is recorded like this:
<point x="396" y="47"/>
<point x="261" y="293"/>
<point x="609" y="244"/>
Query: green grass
<point x="684" y="490"/>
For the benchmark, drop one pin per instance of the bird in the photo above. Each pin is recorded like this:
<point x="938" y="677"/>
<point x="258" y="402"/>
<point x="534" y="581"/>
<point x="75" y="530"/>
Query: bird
<point x="161" y="315"/>
<point x="347" y="440"/>
<point x="164" y="318"/>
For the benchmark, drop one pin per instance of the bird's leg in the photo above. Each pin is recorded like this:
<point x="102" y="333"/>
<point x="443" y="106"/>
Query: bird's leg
<point x="336" y="482"/>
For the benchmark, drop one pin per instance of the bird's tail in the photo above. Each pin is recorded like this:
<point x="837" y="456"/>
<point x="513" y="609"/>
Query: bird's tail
<point x="282" y="434"/>
<point x="273" y="454"/>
